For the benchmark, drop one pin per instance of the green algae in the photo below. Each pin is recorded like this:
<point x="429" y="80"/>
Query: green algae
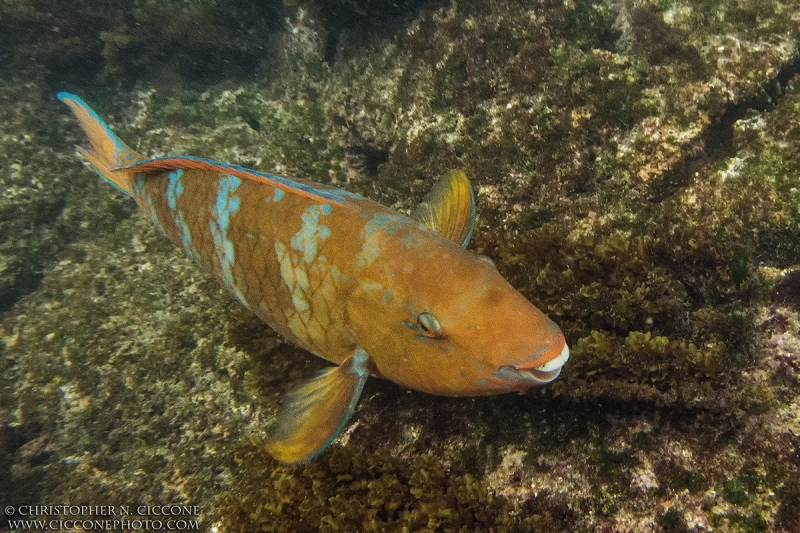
<point x="355" y="490"/>
<point x="40" y="190"/>
<point x="99" y="376"/>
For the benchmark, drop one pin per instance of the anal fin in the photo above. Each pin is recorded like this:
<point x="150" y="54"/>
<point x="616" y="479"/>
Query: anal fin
<point x="313" y="414"/>
<point x="449" y="208"/>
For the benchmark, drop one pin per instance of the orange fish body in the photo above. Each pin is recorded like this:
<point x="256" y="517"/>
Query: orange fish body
<point x="355" y="282"/>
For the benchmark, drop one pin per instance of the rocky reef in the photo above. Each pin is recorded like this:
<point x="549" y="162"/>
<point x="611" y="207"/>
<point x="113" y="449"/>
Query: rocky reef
<point x="637" y="172"/>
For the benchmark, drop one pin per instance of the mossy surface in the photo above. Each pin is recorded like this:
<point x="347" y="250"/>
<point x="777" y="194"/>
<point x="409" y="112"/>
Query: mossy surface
<point x="168" y="42"/>
<point x="354" y="490"/>
<point x="636" y="173"/>
<point x="41" y="189"/>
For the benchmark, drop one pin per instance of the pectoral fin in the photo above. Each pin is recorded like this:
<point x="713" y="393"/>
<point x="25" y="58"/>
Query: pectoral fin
<point x="313" y="414"/>
<point x="449" y="208"/>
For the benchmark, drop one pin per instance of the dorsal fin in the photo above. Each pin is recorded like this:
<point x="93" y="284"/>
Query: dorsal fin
<point x="197" y="163"/>
<point x="449" y="208"/>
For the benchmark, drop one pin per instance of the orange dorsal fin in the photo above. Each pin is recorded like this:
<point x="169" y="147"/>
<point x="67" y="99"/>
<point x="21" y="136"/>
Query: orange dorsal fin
<point x="449" y="208"/>
<point x="316" y="193"/>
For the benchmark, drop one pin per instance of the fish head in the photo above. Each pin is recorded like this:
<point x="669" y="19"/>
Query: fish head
<point x="448" y="323"/>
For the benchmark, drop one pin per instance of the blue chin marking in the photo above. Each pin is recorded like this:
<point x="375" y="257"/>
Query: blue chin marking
<point x="531" y="377"/>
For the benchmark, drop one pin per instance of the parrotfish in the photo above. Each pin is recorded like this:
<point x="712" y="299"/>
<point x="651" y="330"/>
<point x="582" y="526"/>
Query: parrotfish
<point x="368" y="288"/>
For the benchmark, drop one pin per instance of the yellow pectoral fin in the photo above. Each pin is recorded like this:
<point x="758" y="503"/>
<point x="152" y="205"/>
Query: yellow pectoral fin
<point x="449" y="208"/>
<point x="313" y="414"/>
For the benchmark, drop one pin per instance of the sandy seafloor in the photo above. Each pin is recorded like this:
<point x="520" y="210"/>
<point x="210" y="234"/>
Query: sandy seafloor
<point x="637" y="173"/>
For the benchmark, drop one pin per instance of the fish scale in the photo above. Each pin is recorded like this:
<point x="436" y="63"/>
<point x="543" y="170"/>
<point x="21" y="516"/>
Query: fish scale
<point x="357" y="283"/>
<point x="286" y="272"/>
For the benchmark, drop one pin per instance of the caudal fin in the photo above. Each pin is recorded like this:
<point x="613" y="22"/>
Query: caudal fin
<point x="106" y="152"/>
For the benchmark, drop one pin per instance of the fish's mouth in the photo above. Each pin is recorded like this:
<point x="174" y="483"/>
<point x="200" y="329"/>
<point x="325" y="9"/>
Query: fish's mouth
<point x="538" y="375"/>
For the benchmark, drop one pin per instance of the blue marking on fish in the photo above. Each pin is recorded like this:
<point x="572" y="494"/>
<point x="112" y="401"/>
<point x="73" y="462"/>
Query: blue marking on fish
<point x="311" y="232"/>
<point x="174" y="188"/>
<point x="336" y="195"/>
<point x="374" y="233"/>
<point x="225" y="206"/>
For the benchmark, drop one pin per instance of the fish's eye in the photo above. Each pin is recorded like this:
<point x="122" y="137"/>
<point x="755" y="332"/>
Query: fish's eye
<point x="429" y="326"/>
